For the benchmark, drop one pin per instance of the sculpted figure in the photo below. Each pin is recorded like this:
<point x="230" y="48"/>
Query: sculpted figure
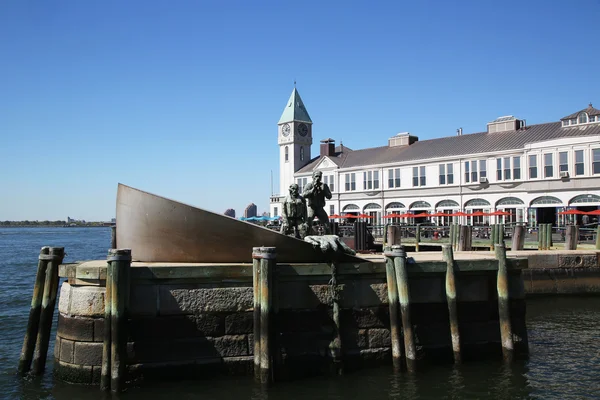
<point x="315" y="193"/>
<point x="293" y="215"/>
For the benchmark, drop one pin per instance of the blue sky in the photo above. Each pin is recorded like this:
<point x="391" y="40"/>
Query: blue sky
<point x="182" y="98"/>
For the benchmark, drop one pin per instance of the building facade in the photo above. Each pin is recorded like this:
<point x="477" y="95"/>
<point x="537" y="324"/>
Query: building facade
<point x="533" y="172"/>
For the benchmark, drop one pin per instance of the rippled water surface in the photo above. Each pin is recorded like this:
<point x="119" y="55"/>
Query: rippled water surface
<point x="564" y="335"/>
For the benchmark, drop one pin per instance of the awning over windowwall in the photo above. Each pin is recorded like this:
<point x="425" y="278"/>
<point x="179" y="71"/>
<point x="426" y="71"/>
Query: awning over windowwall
<point x="510" y="202"/>
<point x="585" y="200"/>
<point x="546" y="201"/>
<point x="395" y="206"/>
<point x="447" y="205"/>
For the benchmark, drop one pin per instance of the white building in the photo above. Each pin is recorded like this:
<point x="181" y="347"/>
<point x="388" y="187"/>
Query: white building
<point x="532" y="171"/>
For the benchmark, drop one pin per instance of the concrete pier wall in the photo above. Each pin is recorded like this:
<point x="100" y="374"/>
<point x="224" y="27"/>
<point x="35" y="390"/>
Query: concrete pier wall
<point x="196" y="320"/>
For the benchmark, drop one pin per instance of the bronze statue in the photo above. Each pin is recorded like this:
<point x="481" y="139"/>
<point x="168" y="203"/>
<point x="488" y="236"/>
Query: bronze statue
<point x="315" y="193"/>
<point x="293" y="215"/>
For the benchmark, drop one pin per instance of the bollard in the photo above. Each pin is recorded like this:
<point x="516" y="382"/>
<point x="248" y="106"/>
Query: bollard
<point x="113" y="237"/>
<point x="518" y="238"/>
<point x="504" y="304"/>
<point x="392" y="289"/>
<point x="105" y="372"/>
<point x="34" y="312"/>
<point x="119" y="262"/>
<point x="410" y="349"/>
<point x="448" y="256"/>
<point x="267" y="257"/>
<point x="56" y="257"/>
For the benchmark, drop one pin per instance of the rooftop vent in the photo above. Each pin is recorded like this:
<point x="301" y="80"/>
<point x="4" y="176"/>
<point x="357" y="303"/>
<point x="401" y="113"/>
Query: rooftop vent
<point x="505" y="124"/>
<point x="402" y="139"/>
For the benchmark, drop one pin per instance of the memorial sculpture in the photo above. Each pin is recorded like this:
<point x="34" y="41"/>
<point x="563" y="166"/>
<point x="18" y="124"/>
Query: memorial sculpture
<point x="293" y="215"/>
<point x="315" y="194"/>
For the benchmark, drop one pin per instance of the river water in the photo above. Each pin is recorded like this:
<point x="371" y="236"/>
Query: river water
<point x="564" y="335"/>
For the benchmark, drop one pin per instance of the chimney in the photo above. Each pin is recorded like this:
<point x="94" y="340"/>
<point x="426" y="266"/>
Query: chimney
<point x="327" y="147"/>
<point x="459" y="132"/>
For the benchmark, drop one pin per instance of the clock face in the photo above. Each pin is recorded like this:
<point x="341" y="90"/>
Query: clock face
<point x="302" y="129"/>
<point x="285" y="130"/>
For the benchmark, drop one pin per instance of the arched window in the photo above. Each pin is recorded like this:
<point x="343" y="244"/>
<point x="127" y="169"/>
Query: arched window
<point x="372" y="206"/>
<point x="509" y="201"/>
<point x="301" y="153"/>
<point x="585" y="199"/>
<point x="420" y="205"/>
<point x="477" y="203"/>
<point x="395" y="206"/>
<point x="447" y="204"/>
<point x="351" y="207"/>
<point x="545" y="200"/>
<point x="583" y="118"/>
<point x="287" y="154"/>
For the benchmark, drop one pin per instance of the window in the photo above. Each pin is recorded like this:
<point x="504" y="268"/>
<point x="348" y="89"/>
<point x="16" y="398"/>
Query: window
<point x="563" y="161"/>
<point x="516" y="167"/>
<point x="596" y="161"/>
<point x="301" y="183"/>
<point x="301" y="153"/>
<point x="473" y="171"/>
<point x="275" y="212"/>
<point x="482" y="168"/>
<point x="467" y="173"/>
<point x="419" y="178"/>
<point x="331" y="209"/>
<point x="328" y="179"/>
<point x="506" y="168"/>
<point x="548" y="173"/>
<point x="583" y="119"/>
<point x="498" y="169"/>
<point x="446" y="174"/>
<point x="394" y="178"/>
<point x="350" y="182"/>
<point x="579" y="163"/>
<point x="370" y="180"/>
<point x="533" y="167"/>
<point x="592" y="118"/>
<point x="287" y="153"/>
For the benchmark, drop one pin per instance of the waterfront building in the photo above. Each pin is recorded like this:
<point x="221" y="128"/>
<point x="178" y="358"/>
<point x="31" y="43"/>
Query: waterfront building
<point x="530" y="171"/>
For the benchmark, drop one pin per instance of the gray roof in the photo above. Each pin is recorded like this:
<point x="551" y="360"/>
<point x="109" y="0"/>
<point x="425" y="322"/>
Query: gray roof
<point x="467" y="144"/>
<point x="590" y="111"/>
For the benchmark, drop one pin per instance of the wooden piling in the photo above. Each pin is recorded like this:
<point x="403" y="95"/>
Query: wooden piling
<point x="113" y="237"/>
<point x="393" y="235"/>
<point x="549" y="237"/>
<point x="119" y="261"/>
<point x="542" y="237"/>
<point x="448" y="256"/>
<point x="598" y="237"/>
<point x="465" y="238"/>
<point x="256" y="310"/>
<point x="504" y="304"/>
<point x="501" y="233"/>
<point x="410" y="349"/>
<point x="392" y="289"/>
<point x="571" y="237"/>
<point x="105" y="373"/>
<point x="417" y="237"/>
<point x="451" y="235"/>
<point x="335" y="346"/>
<point x="267" y="257"/>
<point x="57" y="255"/>
<point x="493" y="234"/>
<point x="518" y="238"/>
<point x="34" y="313"/>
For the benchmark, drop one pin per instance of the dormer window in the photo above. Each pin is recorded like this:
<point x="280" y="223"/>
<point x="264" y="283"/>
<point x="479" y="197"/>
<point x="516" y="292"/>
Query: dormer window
<point x="583" y="118"/>
<point x="589" y="115"/>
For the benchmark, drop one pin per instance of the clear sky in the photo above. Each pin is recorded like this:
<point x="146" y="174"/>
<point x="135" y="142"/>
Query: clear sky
<point x="182" y="98"/>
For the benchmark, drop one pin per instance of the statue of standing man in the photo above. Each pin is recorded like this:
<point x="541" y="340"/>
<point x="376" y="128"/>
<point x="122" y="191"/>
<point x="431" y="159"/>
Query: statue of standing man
<point x="294" y="214"/>
<point x="315" y="194"/>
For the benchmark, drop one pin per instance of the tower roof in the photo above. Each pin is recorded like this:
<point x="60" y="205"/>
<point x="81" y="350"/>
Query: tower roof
<point x="294" y="110"/>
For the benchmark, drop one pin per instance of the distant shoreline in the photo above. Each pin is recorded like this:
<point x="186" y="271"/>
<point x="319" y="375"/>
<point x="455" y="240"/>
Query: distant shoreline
<point x="56" y="226"/>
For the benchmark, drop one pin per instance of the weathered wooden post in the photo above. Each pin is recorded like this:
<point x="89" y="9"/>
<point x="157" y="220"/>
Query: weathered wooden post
<point x="393" y="235"/>
<point x="456" y="236"/>
<point x="518" y="238"/>
<point x="34" y="312"/>
<point x="57" y="255"/>
<point x="256" y="310"/>
<point x="119" y="262"/>
<point x="105" y="373"/>
<point x="571" y="237"/>
<point x="267" y="257"/>
<point x="504" y="304"/>
<point x="493" y="234"/>
<point x="598" y="237"/>
<point x="542" y="236"/>
<point x="113" y="237"/>
<point x="451" y="235"/>
<point x="410" y="349"/>
<point x="500" y="233"/>
<point x="464" y="239"/>
<point x="448" y="256"/>
<point x="335" y="346"/>
<point x="392" y="289"/>
<point x="549" y="237"/>
<point x="417" y="237"/>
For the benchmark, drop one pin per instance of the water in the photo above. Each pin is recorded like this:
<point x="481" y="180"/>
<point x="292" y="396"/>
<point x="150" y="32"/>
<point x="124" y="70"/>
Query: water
<point x="564" y="336"/>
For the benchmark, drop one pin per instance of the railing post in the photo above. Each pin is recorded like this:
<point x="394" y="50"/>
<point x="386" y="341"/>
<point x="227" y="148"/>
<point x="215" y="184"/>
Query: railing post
<point x="410" y="349"/>
<point x="119" y="263"/>
<point x="448" y="256"/>
<point x="34" y="312"/>
<point x="392" y="289"/>
<point x="57" y="255"/>
<point x="504" y="304"/>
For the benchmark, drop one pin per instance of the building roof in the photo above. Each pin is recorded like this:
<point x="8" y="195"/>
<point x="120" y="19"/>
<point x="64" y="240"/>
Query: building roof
<point x="295" y="110"/>
<point x="467" y="144"/>
<point x="590" y="111"/>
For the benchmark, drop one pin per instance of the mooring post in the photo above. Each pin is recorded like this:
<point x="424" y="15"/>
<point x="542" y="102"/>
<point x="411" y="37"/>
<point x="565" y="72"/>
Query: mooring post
<point x="392" y="289"/>
<point x="504" y="304"/>
<point x="518" y="237"/>
<point x="105" y="373"/>
<point x="598" y="237"/>
<point x="267" y="257"/>
<point x="549" y="237"/>
<point x="256" y="310"/>
<point x="119" y="261"/>
<point x="451" y="235"/>
<point x="56" y="255"/>
<point x="501" y="233"/>
<point x="463" y="238"/>
<point x="417" y="237"/>
<point x="113" y="237"/>
<point x="393" y="235"/>
<point x="448" y="256"/>
<point x="34" y="312"/>
<point x="410" y="349"/>
<point x="542" y="236"/>
<point x="492" y="236"/>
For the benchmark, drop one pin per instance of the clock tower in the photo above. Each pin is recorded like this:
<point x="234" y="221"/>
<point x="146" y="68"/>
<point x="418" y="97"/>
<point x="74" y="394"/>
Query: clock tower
<point x="294" y="137"/>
